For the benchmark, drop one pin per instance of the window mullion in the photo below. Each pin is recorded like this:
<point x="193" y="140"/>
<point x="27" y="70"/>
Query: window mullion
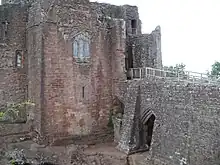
<point x="78" y="49"/>
<point x="81" y="47"/>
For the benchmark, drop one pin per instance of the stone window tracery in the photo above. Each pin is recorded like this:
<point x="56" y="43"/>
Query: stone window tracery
<point x="81" y="47"/>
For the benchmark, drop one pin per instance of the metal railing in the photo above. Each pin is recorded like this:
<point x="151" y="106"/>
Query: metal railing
<point x="194" y="77"/>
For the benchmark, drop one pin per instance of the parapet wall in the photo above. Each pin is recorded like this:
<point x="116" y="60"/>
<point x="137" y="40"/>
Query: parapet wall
<point x="187" y="121"/>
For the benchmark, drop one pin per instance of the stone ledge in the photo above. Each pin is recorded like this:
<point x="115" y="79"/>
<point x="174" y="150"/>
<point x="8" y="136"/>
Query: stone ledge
<point x="13" y="129"/>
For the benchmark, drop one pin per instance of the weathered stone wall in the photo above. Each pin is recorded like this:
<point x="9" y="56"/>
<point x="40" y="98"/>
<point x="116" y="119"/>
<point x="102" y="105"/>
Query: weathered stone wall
<point x="71" y="98"/>
<point x="187" y="121"/>
<point x="128" y="96"/>
<point x="188" y="118"/>
<point x="13" y="80"/>
<point x="35" y="64"/>
<point x="59" y="80"/>
<point x="155" y="50"/>
<point x="146" y="49"/>
<point x="13" y="2"/>
<point x="131" y="13"/>
<point x="140" y="51"/>
<point x="128" y="14"/>
<point x="108" y="10"/>
<point x="51" y="27"/>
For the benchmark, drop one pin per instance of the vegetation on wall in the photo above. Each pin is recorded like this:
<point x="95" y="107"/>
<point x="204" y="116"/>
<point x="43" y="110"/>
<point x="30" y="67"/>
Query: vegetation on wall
<point x="110" y="121"/>
<point x="116" y="112"/>
<point x="15" y="112"/>
<point x="215" y="70"/>
<point x="179" y="70"/>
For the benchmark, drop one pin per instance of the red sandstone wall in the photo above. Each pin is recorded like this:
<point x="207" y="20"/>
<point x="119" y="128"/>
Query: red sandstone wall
<point x="13" y="84"/>
<point x="12" y="79"/>
<point x="66" y="112"/>
<point x="35" y="65"/>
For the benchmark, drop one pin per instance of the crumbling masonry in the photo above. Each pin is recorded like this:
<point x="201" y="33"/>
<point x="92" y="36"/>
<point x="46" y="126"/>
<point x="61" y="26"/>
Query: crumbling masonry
<point x="75" y="60"/>
<point x="68" y="58"/>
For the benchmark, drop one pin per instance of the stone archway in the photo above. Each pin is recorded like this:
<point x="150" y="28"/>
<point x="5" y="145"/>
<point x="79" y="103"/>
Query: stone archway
<point x="138" y="123"/>
<point x="146" y="124"/>
<point x="148" y="130"/>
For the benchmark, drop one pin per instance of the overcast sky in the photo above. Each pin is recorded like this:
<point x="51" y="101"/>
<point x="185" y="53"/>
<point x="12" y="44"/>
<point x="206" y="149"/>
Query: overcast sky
<point x="190" y="29"/>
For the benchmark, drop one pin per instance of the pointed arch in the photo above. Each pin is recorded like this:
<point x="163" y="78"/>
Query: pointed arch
<point x="81" y="45"/>
<point x="147" y="119"/>
<point x="146" y="114"/>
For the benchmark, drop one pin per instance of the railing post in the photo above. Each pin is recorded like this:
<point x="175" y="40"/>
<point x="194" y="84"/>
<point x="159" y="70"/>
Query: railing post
<point x="140" y="72"/>
<point x="132" y="77"/>
<point x="146" y="73"/>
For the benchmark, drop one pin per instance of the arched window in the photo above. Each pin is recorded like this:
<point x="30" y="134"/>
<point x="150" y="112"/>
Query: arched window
<point x="19" y="59"/>
<point x="81" y="46"/>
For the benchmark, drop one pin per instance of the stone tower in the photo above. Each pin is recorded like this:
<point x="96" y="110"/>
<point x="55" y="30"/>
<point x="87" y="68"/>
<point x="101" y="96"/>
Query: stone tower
<point x="61" y="59"/>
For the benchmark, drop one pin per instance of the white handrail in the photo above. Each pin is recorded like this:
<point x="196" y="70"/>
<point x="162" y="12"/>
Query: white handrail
<point x="139" y="73"/>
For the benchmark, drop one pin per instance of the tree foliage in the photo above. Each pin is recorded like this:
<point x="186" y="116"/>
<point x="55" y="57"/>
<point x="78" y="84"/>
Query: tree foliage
<point x="174" y="71"/>
<point x="14" y="111"/>
<point x="215" y="71"/>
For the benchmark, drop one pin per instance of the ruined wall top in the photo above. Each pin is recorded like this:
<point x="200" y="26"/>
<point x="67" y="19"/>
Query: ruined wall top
<point x="14" y="1"/>
<point x="113" y="11"/>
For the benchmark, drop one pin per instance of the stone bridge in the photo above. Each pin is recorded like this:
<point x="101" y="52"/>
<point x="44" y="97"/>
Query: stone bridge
<point x="186" y="110"/>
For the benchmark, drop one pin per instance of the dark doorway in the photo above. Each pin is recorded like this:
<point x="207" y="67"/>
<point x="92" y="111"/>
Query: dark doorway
<point x="130" y="57"/>
<point x="148" y="130"/>
<point x="83" y="92"/>
<point x="129" y="61"/>
<point x="134" y="26"/>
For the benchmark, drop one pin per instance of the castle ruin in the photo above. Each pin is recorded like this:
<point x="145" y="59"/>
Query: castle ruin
<point x="83" y="63"/>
